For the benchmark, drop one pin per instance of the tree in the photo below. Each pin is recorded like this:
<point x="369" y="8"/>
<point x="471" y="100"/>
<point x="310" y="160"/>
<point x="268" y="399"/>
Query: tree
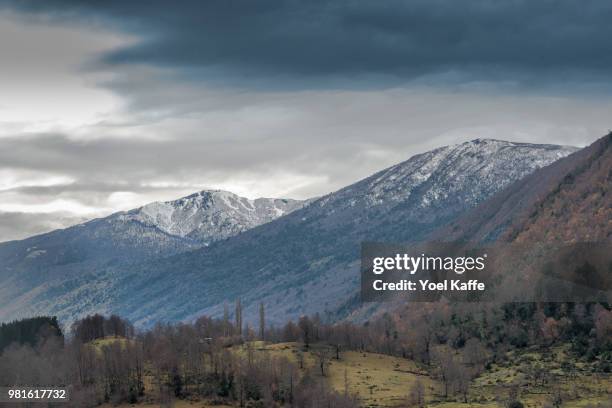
<point x="238" y="317"/>
<point x="446" y="367"/>
<point x="226" y="322"/>
<point x="603" y="324"/>
<point x="29" y="331"/>
<point x="474" y="353"/>
<point x="462" y="381"/>
<point x="262" y="321"/>
<point x="323" y="355"/>
<point x="300" y="359"/>
<point x="346" y="383"/>
<point x="416" y="396"/>
<point x="291" y="332"/>
<point x="97" y="326"/>
<point x="513" y="398"/>
<point x="305" y="325"/>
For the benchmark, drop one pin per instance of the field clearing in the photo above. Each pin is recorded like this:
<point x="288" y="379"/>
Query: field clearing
<point x="109" y="341"/>
<point x="385" y="381"/>
<point x="175" y="404"/>
<point x="378" y="380"/>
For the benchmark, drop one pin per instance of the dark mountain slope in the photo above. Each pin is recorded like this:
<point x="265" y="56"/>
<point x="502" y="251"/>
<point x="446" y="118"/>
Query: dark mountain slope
<point x="567" y="201"/>
<point x="579" y="208"/>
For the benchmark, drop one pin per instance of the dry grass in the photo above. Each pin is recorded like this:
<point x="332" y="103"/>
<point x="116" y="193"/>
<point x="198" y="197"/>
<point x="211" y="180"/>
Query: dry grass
<point x="175" y="404"/>
<point x="385" y="381"/>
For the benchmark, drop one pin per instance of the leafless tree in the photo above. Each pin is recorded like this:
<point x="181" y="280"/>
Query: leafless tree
<point x="262" y="321"/>
<point x="322" y="355"/>
<point x="238" y="316"/>
<point x="416" y="396"/>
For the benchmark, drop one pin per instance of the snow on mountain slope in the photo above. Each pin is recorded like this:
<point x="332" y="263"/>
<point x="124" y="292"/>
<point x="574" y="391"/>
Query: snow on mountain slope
<point x="30" y="266"/>
<point x="303" y="262"/>
<point x="209" y="215"/>
<point x="307" y="261"/>
<point x="568" y="201"/>
<point x="448" y="178"/>
<point x="154" y="230"/>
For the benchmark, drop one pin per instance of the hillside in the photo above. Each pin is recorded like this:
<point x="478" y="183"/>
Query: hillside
<point x="66" y="260"/>
<point x="579" y="208"/>
<point x="306" y="262"/>
<point x="379" y="380"/>
<point x="567" y="201"/>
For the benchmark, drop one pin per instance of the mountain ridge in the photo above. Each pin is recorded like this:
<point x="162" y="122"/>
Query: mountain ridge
<point x="185" y="217"/>
<point x="28" y="266"/>
<point x="505" y="214"/>
<point x="309" y="257"/>
<point x="303" y="262"/>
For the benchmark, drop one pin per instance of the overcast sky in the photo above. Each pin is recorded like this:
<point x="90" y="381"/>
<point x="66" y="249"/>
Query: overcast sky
<point x="108" y="105"/>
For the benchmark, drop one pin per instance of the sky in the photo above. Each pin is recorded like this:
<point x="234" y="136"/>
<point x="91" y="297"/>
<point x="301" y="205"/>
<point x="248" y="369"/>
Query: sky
<point x="106" y="106"/>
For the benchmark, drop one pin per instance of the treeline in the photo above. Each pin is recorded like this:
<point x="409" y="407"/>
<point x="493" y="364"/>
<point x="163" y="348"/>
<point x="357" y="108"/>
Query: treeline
<point x="98" y="326"/>
<point x="29" y="331"/>
<point x="218" y="360"/>
<point x="211" y="359"/>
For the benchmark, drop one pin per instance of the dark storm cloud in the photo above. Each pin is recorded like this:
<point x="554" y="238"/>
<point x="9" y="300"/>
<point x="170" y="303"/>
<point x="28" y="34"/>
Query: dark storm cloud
<point x="363" y="43"/>
<point x="268" y="98"/>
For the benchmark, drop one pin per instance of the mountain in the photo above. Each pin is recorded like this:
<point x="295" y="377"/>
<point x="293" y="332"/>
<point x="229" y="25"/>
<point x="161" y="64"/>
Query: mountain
<point x="579" y="208"/>
<point x="568" y="201"/>
<point x="303" y="262"/>
<point x="551" y="231"/>
<point x="149" y="232"/>
<point x="208" y="216"/>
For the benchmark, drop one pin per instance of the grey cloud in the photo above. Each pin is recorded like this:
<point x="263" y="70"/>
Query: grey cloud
<point x="16" y="225"/>
<point x="346" y="43"/>
<point x="183" y="128"/>
<point x="296" y="145"/>
<point x="334" y="137"/>
<point x="80" y="187"/>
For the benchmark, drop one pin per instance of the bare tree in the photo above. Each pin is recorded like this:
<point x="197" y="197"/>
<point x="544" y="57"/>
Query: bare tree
<point x="442" y="360"/>
<point x="262" y="321"/>
<point x="238" y="317"/>
<point x="323" y="356"/>
<point x="306" y="327"/>
<point x="300" y="359"/>
<point x="416" y="396"/>
<point x="226" y="322"/>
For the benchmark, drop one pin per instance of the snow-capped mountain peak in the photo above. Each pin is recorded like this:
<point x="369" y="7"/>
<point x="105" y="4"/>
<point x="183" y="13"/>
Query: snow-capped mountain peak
<point x="149" y="265"/>
<point x="210" y="215"/>
<point x="459" y="175"/>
